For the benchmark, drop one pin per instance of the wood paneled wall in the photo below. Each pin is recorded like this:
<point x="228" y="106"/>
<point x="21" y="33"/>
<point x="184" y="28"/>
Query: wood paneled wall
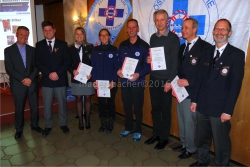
<point x="54" y="12"/>
<point x="240" y="131"/>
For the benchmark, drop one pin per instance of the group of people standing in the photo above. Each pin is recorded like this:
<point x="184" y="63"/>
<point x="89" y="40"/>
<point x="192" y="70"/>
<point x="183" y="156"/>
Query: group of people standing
<point x="212" y="75"/>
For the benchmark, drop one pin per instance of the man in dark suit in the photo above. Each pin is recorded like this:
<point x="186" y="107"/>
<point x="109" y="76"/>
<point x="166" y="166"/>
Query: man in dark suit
<point x="20" y="65"/>
<point x="189" y="56"/>
<point x="52" y="59"/>
<point x="217" y="88"/>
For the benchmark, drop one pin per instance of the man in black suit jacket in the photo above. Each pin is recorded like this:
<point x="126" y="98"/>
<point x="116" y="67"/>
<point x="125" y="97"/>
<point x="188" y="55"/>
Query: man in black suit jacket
<point x="20" y="65"/>
<point x="52" y="59"/>
<point x="189" y="56"/>
<point x="218" y="85"/>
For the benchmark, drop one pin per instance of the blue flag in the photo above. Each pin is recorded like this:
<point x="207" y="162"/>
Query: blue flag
<point x="109" y="14"/>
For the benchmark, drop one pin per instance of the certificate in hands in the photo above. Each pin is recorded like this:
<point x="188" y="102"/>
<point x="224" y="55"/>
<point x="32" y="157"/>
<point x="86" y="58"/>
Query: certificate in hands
<point x="83" y="71"/>
<point x="158" y="59"/>
<point x="103" y="88"/>
<point x="128" y="67"/>
<point x="180" y="92"/>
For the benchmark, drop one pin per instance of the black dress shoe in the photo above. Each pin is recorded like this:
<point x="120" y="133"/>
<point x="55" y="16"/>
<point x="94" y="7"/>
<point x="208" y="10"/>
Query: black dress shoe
<point x="179" y="148"/>
<point x="18" y="135"/>
<point x="185" y="155"/>
<point x="38" y="129"/>
<point x="161" y="144"/>
<point x="88" y="126"/>
<point x="197" y="164"/>
<point x="152" y="140"/>
<point x="46" y="132"/>
<point x="65" y="129"/>
<point x="81" y="127"/>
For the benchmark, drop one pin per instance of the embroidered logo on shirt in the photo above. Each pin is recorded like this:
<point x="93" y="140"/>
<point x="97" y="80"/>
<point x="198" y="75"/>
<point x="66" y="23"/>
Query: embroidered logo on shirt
<point x="137" y="53"/>
<point x="110" y="55"/>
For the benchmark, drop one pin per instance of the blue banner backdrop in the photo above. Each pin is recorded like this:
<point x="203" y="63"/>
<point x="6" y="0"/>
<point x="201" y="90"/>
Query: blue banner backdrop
<point x="109" y="14"/>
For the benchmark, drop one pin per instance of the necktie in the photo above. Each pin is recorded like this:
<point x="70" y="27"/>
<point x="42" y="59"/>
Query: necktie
<point x="216" y="57"/>
<point x="186" y="51"/>
<point x="79" y="49"/>
<point x="50" y="47"/>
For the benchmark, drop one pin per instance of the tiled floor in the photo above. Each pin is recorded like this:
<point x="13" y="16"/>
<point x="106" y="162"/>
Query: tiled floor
<point x="84" y="148"/>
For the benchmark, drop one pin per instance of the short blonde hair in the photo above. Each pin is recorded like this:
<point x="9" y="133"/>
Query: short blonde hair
<point x="160" y="11"/>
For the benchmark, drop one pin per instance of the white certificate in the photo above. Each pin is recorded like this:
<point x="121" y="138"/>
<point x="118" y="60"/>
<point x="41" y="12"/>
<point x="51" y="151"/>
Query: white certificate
<point x="103" y="88"/>
<point x="128" y="67"/>
<point x="83" y="71"/>
<point x="180" y="92"/>
<point x="158" y="59"/>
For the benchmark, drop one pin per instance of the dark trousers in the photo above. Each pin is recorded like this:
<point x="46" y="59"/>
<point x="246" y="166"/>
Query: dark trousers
<point x="107" y="103"/>
<point x="212" y="128"/>
<point x="133" y="96"/>
<point x="19" y="101"/>
<point x="161" y="108"/>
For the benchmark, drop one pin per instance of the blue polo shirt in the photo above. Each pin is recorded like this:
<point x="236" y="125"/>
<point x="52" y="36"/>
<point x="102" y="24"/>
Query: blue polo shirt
<point x="139" y="50"/>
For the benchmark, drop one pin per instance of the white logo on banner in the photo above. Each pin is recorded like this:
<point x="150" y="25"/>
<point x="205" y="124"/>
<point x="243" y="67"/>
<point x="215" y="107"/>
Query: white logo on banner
<point x="111" y="14"/>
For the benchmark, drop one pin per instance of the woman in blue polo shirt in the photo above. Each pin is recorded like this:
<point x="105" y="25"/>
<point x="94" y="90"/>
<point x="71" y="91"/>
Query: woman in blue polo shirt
<point x="104" y="60"/>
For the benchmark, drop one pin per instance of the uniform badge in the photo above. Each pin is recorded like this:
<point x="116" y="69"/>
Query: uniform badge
<point x="110" y="55"/>
<point x="224" y="70"/>
<point x="56" y="49"/>
<point x="137" y="53"/>
<point x="193" y="60"/>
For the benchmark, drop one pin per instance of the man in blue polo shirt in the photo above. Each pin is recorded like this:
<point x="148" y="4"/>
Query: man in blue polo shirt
<point x="132" y="90"/>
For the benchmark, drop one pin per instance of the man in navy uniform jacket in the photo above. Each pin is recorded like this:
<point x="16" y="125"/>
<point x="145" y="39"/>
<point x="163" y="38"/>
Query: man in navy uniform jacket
<point x="52" y="59"/>
<point x="217" y="88"/>
<point x="189" y="58"/>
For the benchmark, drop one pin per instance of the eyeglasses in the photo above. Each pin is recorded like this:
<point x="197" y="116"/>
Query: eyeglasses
<point x="220" y="29"/>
